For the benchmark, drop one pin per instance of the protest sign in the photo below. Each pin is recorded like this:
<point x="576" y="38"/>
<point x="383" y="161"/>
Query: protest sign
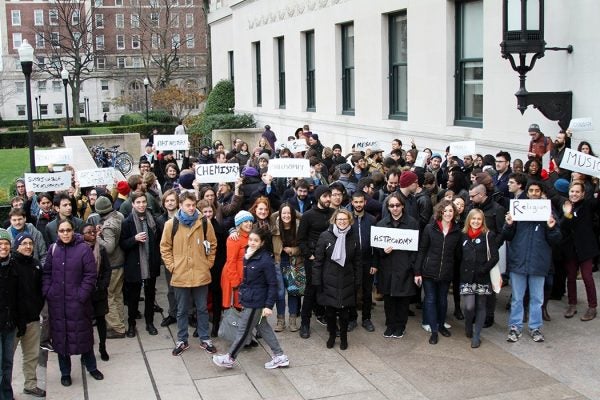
<point x="47" y="182"/>
<point x="581" y="125"/>
<point x="289" y="168"/>
<point x="53" y="156"/>
<point x="365" y="144"/>
<point x="95" y="177"/>
<point x="530" y="210"/>
<point x="577" y="161"/>
<point x="171" y="142"/>
<point x="295" y="146"/>
<point x="399" y="239"/>
<point x="421" y="159"/>
<point x="216" y="173"/>
<point x="461" y="149"/>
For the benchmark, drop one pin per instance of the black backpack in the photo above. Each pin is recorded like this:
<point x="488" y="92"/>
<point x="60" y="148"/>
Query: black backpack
<point x="176" y="227"/>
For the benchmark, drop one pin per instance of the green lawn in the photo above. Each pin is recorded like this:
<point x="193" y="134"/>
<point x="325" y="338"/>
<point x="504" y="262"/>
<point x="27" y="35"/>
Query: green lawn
<point x="13" y="163"/>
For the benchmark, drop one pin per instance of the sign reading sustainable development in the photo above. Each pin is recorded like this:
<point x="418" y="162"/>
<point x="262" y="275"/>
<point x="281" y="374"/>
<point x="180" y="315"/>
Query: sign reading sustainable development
<point x="398" y="239"/>
<point x="215" y="173"/>
<point x="47" y="182"/>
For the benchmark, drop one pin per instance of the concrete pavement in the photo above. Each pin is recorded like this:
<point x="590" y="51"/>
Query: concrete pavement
<point x="373" y="367"/>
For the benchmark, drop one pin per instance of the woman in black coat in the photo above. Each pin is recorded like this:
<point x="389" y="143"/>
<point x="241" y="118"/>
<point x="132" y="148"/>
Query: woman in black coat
<point x="336" y="273"/>
<point x="439" y="251"/>
<point x="479" y="255"/>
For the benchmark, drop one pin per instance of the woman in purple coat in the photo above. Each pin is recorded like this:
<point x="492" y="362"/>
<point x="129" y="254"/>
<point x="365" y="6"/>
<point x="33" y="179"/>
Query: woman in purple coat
<point x="68" y="281"/>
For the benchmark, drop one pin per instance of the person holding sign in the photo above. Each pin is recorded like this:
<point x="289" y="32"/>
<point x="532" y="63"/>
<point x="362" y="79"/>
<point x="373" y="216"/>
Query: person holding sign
<point x="395" y="270"/>
<point x="529" y="261"/>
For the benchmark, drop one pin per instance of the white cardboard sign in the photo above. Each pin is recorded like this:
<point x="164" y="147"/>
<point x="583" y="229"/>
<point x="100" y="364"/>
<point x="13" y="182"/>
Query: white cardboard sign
<point x="54" y="156"/>
<point x="581" y="125"/>
<point x="366" y="144"/>
<point x="577" y="161"/>
<point x="421" y="159"/>
<point x="295" y="146"/>
<point x="289" y="168"/>
<point x="47" y="182"/>
<point x="95" y="177"/>
<point x="216" y="173"/>
<point x="171" y="142"/>
<point x="461" y="149"/>
<point x="530" y="210"/>
<point x="399" y="239"/>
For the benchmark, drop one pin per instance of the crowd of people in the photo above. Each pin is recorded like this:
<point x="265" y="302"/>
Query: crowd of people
<point x="297" y="247"/>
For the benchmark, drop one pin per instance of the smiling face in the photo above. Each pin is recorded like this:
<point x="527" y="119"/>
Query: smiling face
<point x="254" y="242"/>
<point x="576" y="193"/>
<point x="286" y="215"/>
<point x="448" y="213"/>
<point x="262" y="211"/>
<point x="476" y="221"/>
<point x="395" y="207"/>
<point x="65" y="231"/>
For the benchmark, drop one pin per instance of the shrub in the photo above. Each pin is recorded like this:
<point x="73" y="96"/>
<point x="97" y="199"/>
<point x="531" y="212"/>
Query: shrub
<point x="221" y="99"/>
<point x="42" y="138"/>
<point x="223" y="121"/>
<point x="145" y="130"/>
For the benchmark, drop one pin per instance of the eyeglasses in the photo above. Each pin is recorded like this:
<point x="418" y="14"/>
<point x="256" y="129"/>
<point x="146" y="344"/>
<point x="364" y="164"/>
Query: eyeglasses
<point x="28" y="244"/>
<point x="65" y="230"/>
<point x="336" y="195"/>
<point x="395" y="205"/>
<point x="472" y="196"/>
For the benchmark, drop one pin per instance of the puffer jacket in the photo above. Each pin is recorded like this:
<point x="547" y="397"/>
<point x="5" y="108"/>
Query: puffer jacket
<point x="259" y="286"/>
<point x="530" y="246"/>
<point x="475" y="266"/>
<point x="438" y="253"/>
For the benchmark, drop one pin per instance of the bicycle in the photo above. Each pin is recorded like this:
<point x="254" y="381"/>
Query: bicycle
<point x="112" y="157"/>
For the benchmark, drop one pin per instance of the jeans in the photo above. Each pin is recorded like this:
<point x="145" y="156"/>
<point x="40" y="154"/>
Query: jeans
<point x="294" y="304"/>
<point x="170" y="295"/>
<point x="436" y="303"/>
<point x="30" y="347"/>
<point x="280" y="302"/>
<point x="518" y="284"/>
<point x="251" y="318"/>
<point x="7" y="351"/>
<point x="88" y="359"/>
<point x="198" y="294"/>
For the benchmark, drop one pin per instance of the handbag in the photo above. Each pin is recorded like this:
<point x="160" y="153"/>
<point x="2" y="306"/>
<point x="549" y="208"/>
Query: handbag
<point x="495" y="275"/>
<point x="294" y="277"/>
<point x="229" y="324"/>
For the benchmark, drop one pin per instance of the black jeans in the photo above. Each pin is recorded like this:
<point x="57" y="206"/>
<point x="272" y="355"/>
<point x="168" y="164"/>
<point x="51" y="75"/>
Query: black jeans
<point x="331" y="313"/>
<point x="133" y="298"/>
<point x="396" y="311"/>
<point x="366" y="289"/>
<point x="310" y="296"/>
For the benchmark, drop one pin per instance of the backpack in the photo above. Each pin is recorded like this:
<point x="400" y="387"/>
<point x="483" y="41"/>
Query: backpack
<point x="176" y="227"/>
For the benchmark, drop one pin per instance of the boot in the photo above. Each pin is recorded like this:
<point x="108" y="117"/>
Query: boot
<point x="293" y="323"/>
<point x="545" y="315"/>
<point x="331" y="341"/>
<point x="331" y="328"/>
<point x="343" y="340"/>
<point x="280" y="327"/>
<point x="103" y="354"/>
<point x="589" y="315"/>
<point x="571" y="311"/>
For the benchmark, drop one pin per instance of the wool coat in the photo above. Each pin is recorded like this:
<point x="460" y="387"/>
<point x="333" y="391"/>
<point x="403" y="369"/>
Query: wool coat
<point x="131" y="247"/>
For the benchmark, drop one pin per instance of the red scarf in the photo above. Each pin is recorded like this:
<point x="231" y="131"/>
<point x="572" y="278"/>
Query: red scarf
<point x="474" y="233"/>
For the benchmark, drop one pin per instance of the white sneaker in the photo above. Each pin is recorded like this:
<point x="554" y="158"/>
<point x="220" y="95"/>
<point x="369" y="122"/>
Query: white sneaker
<point x="278" y="361"/>
<point x="426" y="328"/>
<point x="447" y="325"/>
<point x="223" y="360"/>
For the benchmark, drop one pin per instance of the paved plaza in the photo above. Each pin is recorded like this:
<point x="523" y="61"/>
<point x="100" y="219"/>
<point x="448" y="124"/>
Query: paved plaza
<point x="564" y="367"/>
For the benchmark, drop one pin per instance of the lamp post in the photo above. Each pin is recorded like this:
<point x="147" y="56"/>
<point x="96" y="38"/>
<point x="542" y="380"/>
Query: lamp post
<point x="146" y="83"/>
<point x="26" y="58"/>
<point x="523" y="34"/>
<point x="64" y="74"/>
<point x="39" y="108"/>
<point x="86" y="111"/>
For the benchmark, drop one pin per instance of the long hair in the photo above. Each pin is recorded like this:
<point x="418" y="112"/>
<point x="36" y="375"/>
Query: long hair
<point x="484" y="228"/>
<point x="288" y="236"/>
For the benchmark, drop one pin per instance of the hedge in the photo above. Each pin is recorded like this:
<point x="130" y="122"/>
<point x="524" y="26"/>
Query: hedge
<point x="42" y="138"/>
<point x="221" y="99"/>
<point x="224" y="121"/>
<point x="140" y="118"/>
<point x="145" y="130"/>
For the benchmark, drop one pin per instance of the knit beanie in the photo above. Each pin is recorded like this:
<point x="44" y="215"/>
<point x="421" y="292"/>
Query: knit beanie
<point x="19" y="239"/>
<point x="186" y="179"/>
<point x="562" y="186"/>
<point x="408" y="178"/>
<point x="4" y="235"/>
<point x="103" y="205"/>
<point x="321" y="190"/>
<point x="123" y="188"/>
<point x="243" y="216"/>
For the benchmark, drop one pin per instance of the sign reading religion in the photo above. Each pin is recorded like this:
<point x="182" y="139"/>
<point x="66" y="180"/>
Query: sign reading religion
<point x="215" y="173"/>
<point x="54" y="156"/>
<point x="47" y="182"/>
<point x="171" y="142"/>
<point x="398" y="239"/>
<point x="289" y="168"/>
<point x="530" y="210"/>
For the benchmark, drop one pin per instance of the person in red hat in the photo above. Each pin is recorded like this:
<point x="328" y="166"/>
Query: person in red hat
<point x="123" y="190"/>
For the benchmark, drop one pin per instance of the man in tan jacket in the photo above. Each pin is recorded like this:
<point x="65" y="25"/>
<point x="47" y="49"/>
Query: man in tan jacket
<point x="188" y="249"/>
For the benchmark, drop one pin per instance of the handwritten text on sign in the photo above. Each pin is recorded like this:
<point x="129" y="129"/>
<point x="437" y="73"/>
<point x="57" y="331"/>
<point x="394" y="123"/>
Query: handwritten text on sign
<point x="580" y="162"/>
<point x="295" y="146"/>
<point x="398" y="239"/>
<point x="366" y="144"/>
<point x="289" y="168"/>
<point x="54" y="156"/>
<point x="581" y="125"/>
<point x="171" y="142"/>
<point x="216" y="173"/>
<point x="47" y="182"/>
<point x="421" y="159"/>
<point x="530" y="210"/>
<point x="95" y="177"/>
<point x="461" y="149"/>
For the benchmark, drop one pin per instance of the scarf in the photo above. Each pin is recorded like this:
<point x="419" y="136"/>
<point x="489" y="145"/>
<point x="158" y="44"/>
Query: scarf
<point x="441" y="226"/>
<point x="339" y="249"/>
<point x="96" y="251"/>
<point x="249" y="253"/>
<point x="186" y="219"/>
<point x="144" y="223"/>
<point x="474" y="233"/>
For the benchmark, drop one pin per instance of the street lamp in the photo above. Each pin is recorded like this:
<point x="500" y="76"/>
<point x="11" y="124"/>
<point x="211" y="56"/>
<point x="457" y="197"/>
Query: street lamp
<point x="146" y="83"/>
<point x="64" y="74"/>
<point x="26" y="58"/>
<point x="86" y="111"/>
<point x="523" y="34"/>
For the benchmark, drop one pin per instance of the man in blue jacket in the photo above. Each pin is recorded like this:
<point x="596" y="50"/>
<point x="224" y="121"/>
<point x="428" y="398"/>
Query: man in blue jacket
<point x="529" y="261"/>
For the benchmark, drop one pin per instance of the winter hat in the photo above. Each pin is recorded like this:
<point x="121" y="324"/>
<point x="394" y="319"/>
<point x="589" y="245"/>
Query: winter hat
<point x="534" y="128"/>
<point x="321" y="190"/>
<point x="103" y="205"/>
<point x="243" y="216"/>
<point x="314" y="136"/>
<point x="4" y="235"/>
<point x="249" y="171"/>
<point x="19" y="239"/>
<point x="123" y="188"/>
<point x="345" y="168"/>
<point x="436" y="155"/>
<point x="336" y="146"/>
<point x="408" y="178"/>
<point x="186" y="178"/>
<point x="149" y="144"/>
<point x="562" y="186"/>
<point x="264" y="156"/>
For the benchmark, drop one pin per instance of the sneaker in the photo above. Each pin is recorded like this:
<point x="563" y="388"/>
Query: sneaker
<point x="35" y="392"/>
<point x="223" y="360"/>
<point x="47" y="346"/>
<point x="180" y="347"/>
<point x="537" y="335"/>
<point x="426" y="328"/>
<point x="277" y="361"/>
<point x="352" y="325"/>
<point x="398" y="334"/>
<point x="514" y="335"/>
<point x="368" y="325"/>
<point x="208" y="346"/>
<point x="389" y="332"/>
<point x="322" y="320"/>
<point x="447" y="325"/>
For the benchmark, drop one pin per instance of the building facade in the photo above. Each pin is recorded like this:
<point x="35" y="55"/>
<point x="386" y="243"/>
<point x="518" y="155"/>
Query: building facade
<point x="428" y="69"/>
<point x="122" y="42"/>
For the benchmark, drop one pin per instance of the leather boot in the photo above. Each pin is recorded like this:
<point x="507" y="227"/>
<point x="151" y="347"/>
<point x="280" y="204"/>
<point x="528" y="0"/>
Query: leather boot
<point x="589" y="315"/>
<point x="571" y="311"/>
<point x="331" y="328"/>
<point x="103" y="354"/>
<point x="293" y="323"/>
<point x="130" y="330"/>
<point x="545" y="315"/>
<point x="280" y="327"/>
<point x="343" y="340"/>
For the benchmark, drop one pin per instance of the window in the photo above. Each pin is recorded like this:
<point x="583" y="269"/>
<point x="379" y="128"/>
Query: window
<point x="121" y="62"/>
<point x="120" y="42"/>
<point x="100" y="42"/>
<point x="54" y="39"/>
<point x="100" y="21"/>
<point x="105" y="106"/>
<point x="176" y="41"/>
<point x="189" y="20"/>
<point x="56" y="86"/>
<point x="38" y="17"/>
<point x="135" y="20"/>
<point x="153" y="3"/>
<point x="81" y="108"/>
<point x="20" y="86"/>
<point x="120" y="21"/>
<point x="75" y="17"/>
<point x="348" y="69"/>
<point x="55" y="62"/>
<point x="40" y="43"/>
<point x="77" y="40"/>
<point x="100" y="62"/>
<point x="118" y="2"/>
<point x="189" y="2"/>
<point x="135" y="3"/>
<point x="469" y="64"/>
<point x="310" y="71"/>
<point x="58" y="108"/>
<point x="231" y="65"/>
<point x="398" y="66"/>
<point x="154" y="19"/>
<point x="137" y="62"/>
<point x="41" y="61"/>
<point x="99" y="3"/>
<point x="281" y="70"/>
<point x="16" y="17"/>
<point x="104" y="84"/>
<point x="41" y="86"/>
<point x="21" y="110"/>
<point x="17" y="38"/>
<point x="53" y="16"/>
<point x="135" y="41"/>
<point x="174" y="2"/>
<point x="190" y="61"/>
<point x="190" y="43"/>
<point x="258" y="74"/>
<point x="155" y="41"/>
<point x="175" y="21"/>
<point x="43" y="109"/>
